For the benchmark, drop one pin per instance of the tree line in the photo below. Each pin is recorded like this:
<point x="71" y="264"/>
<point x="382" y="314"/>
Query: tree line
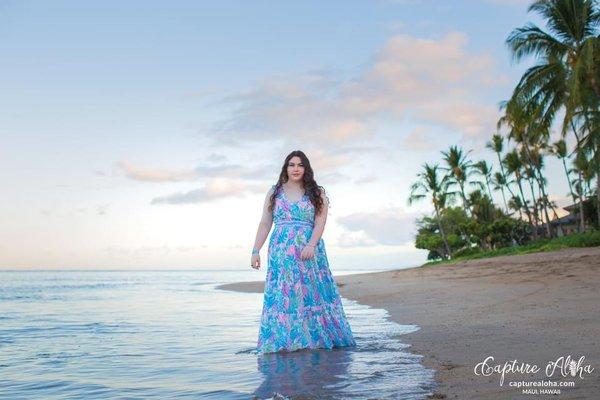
<point x="562" y="88"/>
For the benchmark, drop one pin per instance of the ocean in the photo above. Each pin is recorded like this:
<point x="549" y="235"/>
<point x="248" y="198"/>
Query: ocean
<point x="171" y="334"/>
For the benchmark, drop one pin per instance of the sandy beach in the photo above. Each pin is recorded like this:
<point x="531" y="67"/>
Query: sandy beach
<point x="534" y="308"/>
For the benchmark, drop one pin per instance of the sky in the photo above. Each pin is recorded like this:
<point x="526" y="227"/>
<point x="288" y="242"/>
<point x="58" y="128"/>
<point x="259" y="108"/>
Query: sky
<point x="147" y="133"/>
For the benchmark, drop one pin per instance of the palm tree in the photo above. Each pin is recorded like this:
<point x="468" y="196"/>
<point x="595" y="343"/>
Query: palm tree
<point x="516" y="204"/>
<point x="514" y="165"/>
<point x="483" y="207"/>
<point x="430" y="183"/>
<point x="529" y="134"/>
<point x="537" y="159"/>
<point x="585" y="170"/>
<point x="559" y="149"/>
<point x="484" y="212"/>
<point x="529" y="176"/>
<point x="497" y="146"/>
<point x="591" y="144"/>
<point x="580" y="164"/>
<point x="485" y="169"/>
<point x="536" y="162"/>
<point x="500" y="182"/>
<point x="586" y="127"/>
<point x="566" y="68"/>
<point x="567" y="74"/>
<point x="460" y="170"/>
<point x="584" y="79"/>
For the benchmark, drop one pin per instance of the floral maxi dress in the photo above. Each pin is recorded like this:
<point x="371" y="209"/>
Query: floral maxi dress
<point x="301" y="307"/>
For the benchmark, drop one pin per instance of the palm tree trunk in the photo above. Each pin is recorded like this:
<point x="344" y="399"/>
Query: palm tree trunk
<point x="464" y="198"/>
<point x="439" y="221"/>
<point x="533" y="168"/>
<point x="545" y="203"/>
<point x="536" y="215"/>
<point x="568" y="180"/>
<point x="537" y="174"/>
<point x="597" y="162"/>
<point x="504" y="176"/>
<point x="504" y="199"/>
<point x="580" y="176"/>
<point x="581" y="216"/>
<point x="487" y="182"/>
<point x="535" y="235"/>
<point x="507" y="185"/>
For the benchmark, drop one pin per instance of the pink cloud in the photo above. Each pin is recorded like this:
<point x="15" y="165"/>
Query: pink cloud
<point x="438" y="80"/>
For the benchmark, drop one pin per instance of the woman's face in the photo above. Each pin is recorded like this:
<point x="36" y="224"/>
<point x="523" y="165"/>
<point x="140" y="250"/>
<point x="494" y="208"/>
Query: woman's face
<point x="295" y="169"/>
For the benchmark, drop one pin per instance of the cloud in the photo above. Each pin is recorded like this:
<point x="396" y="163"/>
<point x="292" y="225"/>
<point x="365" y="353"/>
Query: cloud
<point x="203" y="170"/>
<point x="134" y="172"/>
<point x="102" y="208"/>
<point x="214" y="189"/>
<point x="472" y="120"/>
<point x="216" y="158"/>
<point x="391" y="226"/>
<point x="420" y="139"/>
<point x="151" y="250"/>
<point x="224" y="180"/>
<point x="432" y="83"/>
<point x="355" y="239"/>
<point x="365" y="179"/>
<point x="436" y="81"/>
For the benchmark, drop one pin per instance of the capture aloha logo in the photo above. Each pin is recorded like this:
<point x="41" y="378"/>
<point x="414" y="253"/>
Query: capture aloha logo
<point x="565" y="366"/>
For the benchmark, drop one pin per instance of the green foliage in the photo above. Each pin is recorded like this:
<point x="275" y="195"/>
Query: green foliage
<point x="453" y="218"/>
<point x="470" y="235"/>
<point x="431" y="241"/>
<point x="467" y="251"/>
<point x="565" y="79"/>
<point x="508" y="231"/>
<point x="590" y="210"/>
<point x="429" y="236"/>
<point x="587" y="239"/>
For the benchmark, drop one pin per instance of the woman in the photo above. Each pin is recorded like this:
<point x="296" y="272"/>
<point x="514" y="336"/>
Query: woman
<point x="301" y="307"/>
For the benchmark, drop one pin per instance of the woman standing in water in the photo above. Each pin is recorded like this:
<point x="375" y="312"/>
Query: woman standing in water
<point x="301" y="307"/>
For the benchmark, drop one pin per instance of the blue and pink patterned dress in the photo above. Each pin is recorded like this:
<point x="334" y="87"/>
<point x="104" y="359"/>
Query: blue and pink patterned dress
<point x="302" y="307"/>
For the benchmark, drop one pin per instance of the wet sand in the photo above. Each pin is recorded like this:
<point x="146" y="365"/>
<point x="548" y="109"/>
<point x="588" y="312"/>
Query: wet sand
<point x="533" y="308"/>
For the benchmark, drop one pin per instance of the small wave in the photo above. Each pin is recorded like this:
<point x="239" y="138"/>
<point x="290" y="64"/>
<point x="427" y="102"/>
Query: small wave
<point x="250" y="350"/>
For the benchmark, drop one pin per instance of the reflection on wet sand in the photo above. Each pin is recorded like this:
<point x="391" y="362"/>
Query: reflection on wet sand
<point x="304" y="374"/>
<point x="379" y="366"/>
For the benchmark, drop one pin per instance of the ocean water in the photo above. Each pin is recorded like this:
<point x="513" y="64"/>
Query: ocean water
<point x="170" y="334"/>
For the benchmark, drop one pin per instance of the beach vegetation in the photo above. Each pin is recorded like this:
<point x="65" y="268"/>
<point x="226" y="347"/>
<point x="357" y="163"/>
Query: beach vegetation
<point x="559" y="95"/>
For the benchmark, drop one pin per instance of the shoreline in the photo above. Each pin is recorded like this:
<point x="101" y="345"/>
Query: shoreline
<point x="532" y="307"/>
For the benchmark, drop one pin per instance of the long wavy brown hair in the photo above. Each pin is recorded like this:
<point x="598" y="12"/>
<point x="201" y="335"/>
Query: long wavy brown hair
<point x="310" y="185"/>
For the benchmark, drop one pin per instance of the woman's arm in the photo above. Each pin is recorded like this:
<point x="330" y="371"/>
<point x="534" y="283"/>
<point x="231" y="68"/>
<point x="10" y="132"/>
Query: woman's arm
<point x="320" y="220"/>
<point x="266" y="221"/>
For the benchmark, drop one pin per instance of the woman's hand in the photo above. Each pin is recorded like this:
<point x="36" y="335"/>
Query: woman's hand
<point x="307" y="252"/>
<point x="255" y="261"/>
